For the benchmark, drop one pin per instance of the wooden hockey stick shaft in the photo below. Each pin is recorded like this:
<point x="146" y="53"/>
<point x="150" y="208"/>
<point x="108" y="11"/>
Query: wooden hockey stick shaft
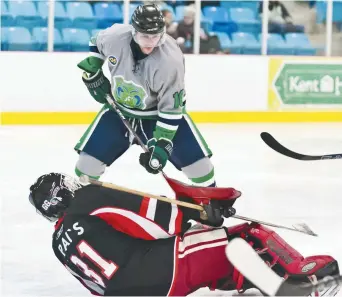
<point x="190" y="205"/>
<point x="160" y="198"/>
<point x="139" y="193"/>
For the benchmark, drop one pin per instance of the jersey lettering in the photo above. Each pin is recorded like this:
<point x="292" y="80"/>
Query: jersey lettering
<point x="179" y="98"/>
<point x="107" y="268"/>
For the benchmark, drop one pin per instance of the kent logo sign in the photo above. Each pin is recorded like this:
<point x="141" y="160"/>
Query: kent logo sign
<point x="309" y="83"/>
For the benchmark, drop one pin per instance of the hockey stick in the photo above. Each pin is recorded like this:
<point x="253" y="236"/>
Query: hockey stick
<point x="302" y="228"/>
<point x="143" y="194"/>
<point x="112" y="103"/>
<point x="247" y="261"/>
<point x="279" y="148"/>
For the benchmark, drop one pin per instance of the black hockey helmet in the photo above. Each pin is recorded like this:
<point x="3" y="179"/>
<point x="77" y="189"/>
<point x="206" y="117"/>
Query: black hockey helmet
<point x="52" y="193"/>
<point x="148" y="19"/>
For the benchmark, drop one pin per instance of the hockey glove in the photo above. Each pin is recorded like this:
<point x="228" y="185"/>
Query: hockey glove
<point x="98" y="85"/>
<point x="216" y="210"/>
<point x="159" y="152"/>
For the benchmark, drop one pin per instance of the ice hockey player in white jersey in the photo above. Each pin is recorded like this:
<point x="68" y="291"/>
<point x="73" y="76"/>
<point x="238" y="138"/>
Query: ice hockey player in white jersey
<point x="147" y="82"/>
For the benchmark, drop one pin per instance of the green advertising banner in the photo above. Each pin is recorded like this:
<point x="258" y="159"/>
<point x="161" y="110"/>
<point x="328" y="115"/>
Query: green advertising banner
<point x="314" y="83"/>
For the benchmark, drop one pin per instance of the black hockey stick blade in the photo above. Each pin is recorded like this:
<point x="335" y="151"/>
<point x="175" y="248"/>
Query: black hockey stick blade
<point x="279" y="148"/>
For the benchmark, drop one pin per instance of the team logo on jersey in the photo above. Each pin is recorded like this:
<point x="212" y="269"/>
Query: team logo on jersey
<point x="129" y="94"/>
<point x="93" y="39"/>
<point x="112" y="60"/>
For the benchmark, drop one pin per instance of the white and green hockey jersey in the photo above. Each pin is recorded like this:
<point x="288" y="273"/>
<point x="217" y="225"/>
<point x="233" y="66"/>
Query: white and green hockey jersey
<point x="150" y="88"/>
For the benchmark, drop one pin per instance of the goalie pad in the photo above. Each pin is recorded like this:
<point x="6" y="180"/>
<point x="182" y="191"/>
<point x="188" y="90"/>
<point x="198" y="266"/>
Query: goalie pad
<point x="202" y="195"/>
<point x="283" y="259"/>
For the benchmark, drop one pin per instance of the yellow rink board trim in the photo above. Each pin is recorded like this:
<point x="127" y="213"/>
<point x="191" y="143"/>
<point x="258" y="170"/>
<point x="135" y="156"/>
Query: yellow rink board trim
<point x="69" y="118"/>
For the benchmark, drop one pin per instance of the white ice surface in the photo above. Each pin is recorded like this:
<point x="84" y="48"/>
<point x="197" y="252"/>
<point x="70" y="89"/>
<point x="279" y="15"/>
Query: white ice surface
<point x="275" y="188"/>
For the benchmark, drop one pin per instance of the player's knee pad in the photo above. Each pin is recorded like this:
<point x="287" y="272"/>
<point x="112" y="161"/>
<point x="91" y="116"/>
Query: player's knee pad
<point x="90" y="166"/>
<point x="201" y="173"/>
<point x="286" y="261"/>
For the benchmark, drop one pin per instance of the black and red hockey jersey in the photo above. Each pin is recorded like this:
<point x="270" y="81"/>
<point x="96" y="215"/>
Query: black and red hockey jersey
<point x="107" y="240"/>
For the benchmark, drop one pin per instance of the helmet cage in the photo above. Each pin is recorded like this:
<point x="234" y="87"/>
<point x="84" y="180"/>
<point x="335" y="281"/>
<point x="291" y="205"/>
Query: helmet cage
<point x="148" y="40"/>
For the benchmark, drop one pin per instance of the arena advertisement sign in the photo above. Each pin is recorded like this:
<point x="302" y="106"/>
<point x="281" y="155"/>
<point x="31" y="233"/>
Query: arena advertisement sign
<point x="310" y="84"/>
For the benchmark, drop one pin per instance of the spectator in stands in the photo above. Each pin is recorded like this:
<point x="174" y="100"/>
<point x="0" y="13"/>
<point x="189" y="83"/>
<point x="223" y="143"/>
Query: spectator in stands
<point x="185" y="35"/>
<point x="171" y="26"/>
<point x="279" y="19"/>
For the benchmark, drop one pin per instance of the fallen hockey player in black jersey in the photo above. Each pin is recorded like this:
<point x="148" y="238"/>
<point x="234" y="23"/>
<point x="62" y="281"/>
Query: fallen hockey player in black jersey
<point x="118" y="243"/>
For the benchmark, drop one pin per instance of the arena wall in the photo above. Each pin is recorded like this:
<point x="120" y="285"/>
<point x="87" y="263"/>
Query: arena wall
<point x="46" y="88"/>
